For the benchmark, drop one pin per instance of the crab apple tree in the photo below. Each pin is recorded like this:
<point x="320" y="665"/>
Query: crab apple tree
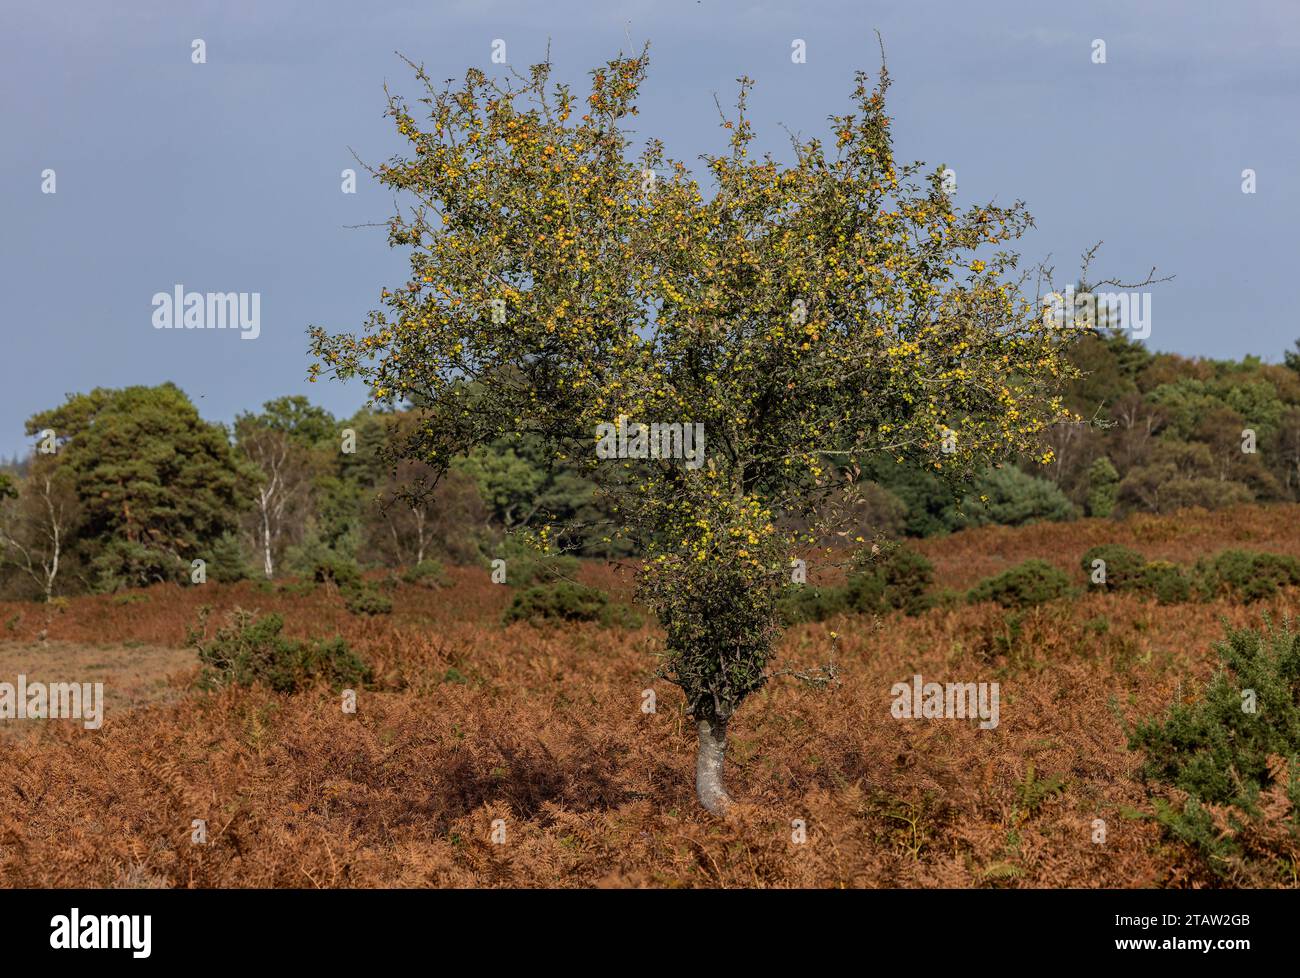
<point x="802" y="316"/>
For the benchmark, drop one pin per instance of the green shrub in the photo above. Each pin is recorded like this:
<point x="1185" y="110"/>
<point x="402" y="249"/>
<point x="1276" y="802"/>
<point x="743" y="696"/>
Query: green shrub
<point x="803" y="603"/>
<point x="562" y="601"/>
<point x="526" y="566"/>
<point x="927" y="501"/>
<point x="1010" y="497"/>
<point x="1128" y="570"/>
<point x="427" y="573"/>
<point x="1238" y="768"/>
<point x="227" y="565"/>
<point x="946" y="597"/>
<point x="1124" y="567"/>
<point x="247" y="651"/>
<point x="1246" y="575"/>
<point x="366" y="599"/>
<point x="897" y="579"/>
<point x="1030" y="583"/>
<point x="565" y="601"/>
<point x="315" y="554"/>
<point x="1103" y="487"/>
<point x="1166" y="582"/>
<point x="336" y="570"/>
<point x="125" y="564"/>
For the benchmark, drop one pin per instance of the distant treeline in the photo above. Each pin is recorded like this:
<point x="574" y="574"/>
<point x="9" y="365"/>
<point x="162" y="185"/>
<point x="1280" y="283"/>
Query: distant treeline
<point x="129" y="487"/>
<point x="1158" y="432"/>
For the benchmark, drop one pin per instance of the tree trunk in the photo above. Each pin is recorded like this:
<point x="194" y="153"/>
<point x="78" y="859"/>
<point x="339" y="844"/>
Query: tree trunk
<point x="708" y="766"/>
<point x="268" y="565"/>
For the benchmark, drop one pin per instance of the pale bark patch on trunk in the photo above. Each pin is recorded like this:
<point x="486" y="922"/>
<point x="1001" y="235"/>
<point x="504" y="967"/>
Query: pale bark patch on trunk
<point x="709" y="759"/>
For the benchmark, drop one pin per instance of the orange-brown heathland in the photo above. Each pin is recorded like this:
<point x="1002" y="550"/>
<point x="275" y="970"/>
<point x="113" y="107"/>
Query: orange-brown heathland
<point x="543" y="728"/>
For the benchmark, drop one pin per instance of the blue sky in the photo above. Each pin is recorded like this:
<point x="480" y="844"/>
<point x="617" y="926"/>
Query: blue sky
<point x="225" y="176"/>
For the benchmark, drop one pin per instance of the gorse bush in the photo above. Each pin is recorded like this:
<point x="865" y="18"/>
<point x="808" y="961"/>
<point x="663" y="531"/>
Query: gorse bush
<point x="526" y="566"/>
<point x="360" y="597"/>
<point x="1027" y="584"/>
<point x="1242" y="575"/>
<point x="366" y="599"/>
<point x="1246" y="575"/>
<point x="565" y="601"/>
<point x="427" y="573"/>
<point x="247" y="650"/>
<point x="1166" y="582"/>
<point x="335" y="570"/>
<point x="1233" y="753"/>
<point x="804" y="602"/>
<point x="1127" y="570"/>
<point x="896" y="579"/>
<point x="1122" y="565"/>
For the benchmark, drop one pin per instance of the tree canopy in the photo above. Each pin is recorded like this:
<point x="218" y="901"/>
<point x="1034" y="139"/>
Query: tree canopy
<point x="154" y="479"/>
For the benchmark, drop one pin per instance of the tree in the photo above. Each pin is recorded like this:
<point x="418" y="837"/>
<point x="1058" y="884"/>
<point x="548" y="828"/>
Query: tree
<point x="1180" y="475"/>
<point x="282" y="442"/>
<point x="352" y="472"/>
<point x="1010" y="497"/>
<point x="1103" y="487"/>
<point x="1137" y="423"/>
<point x="1108" y="365"/>
<point x="526" y="487"/>
<point x="406" y="526"/>
<point x="37" y="524"/>
<point x="792" y="317"/>
<point x="410" y="514"/>
<point x="509" y="483"/>
<point x="1287" y="457"/>
<point x="1104" y="376"/>
<point x="927" y="501"/>
<point x="156" y="483"/>
<point x="1292" y="357"/>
